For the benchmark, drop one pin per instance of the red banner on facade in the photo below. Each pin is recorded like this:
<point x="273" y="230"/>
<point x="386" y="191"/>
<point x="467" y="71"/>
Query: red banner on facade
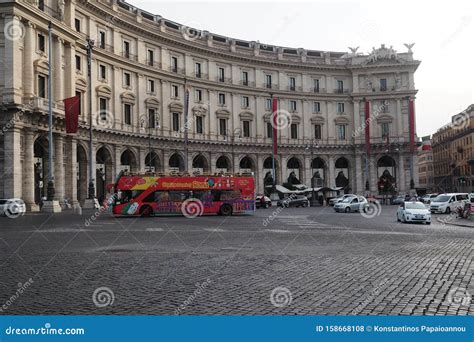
<point x="367" y="127"/>
<point x="411" y="120"/>
<point x="72" y="107"/>
<point x="275" y="125"/>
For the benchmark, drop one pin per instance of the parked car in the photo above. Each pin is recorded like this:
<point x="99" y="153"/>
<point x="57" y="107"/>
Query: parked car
<point x="400" y="199"/>
<point x="297" y="201"/>
<point x="428" y="198"/>
<point x="12" y="207"/>
<point x="447" y="203"/>
<point x="335" y="200"/>
<point x="413" y="212"/>
<point x="265" y="203"/>
<point x="352" y="204"/>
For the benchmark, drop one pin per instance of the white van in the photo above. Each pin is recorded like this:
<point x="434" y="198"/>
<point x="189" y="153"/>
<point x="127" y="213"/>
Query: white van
<point x="447" y="203"/>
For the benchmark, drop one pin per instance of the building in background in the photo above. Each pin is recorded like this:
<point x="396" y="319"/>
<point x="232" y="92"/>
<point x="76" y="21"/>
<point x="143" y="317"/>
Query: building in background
<point x="351" y="114"/>
<point x="425" y="166"/>
<point x="453" y="156"/>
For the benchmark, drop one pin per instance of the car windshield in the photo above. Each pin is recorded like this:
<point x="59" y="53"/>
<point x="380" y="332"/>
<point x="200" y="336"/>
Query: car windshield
<point x="416" y="205"/>
<point x="347" y="200"/>
<point x="443" y="198"/>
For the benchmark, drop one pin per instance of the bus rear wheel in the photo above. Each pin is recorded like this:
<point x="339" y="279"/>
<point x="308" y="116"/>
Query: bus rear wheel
<point x="146" y="211"/>
<point x="226" y="210"/>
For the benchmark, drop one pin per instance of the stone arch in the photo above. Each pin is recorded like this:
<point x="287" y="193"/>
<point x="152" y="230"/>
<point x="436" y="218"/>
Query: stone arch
<point x="223" y="164"/>
<point x="247" y="164"/>
<point x="82" y="171"/>
<point x="386" y="174"/>
<point x="153" y="162"/>
<point x="341" y="167"/>
<point x="268" y="169"/>
<point x="295" y="170"/>
<point x="41" y="166"/>
<point x="200" y="164"/>
<point x="176" y="162"/>
<point x="319" y="169"/>
<point x="129" y="160"/>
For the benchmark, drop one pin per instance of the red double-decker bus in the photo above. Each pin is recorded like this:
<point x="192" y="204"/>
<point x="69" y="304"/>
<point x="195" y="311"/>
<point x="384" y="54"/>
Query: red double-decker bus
<point x="191" y="196"/>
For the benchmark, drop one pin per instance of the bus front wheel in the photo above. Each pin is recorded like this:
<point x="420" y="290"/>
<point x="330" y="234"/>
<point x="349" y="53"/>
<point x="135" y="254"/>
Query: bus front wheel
<point x="226" y="210"/>
<point x="146" y="211"/>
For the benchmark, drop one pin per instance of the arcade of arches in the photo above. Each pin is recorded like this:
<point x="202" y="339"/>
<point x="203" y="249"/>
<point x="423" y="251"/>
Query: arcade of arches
<point x="72" y="174"/>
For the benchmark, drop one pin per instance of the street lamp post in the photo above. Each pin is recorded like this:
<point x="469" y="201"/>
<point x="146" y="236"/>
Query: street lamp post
<point x="91" y="188"/>
<point x="313" y="193"/>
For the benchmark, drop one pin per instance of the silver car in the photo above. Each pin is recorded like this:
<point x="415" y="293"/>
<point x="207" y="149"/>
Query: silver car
<point x="333" y="201"/>
<point x="352" y="204"/>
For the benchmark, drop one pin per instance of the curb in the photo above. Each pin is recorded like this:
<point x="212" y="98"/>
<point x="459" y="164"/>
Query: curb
<point x="440" y="220"/>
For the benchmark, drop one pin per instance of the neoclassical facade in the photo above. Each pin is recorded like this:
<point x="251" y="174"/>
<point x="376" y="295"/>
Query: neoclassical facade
<point x="339" y="103"/>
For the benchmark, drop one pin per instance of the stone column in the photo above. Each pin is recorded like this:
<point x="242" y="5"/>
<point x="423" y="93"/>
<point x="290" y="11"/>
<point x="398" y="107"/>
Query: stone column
<point x="12" y="88"/>
<point x="71" y="172"/>
<point x="28" y="70"/>
<point x="29" y="173"/>
<point x="373" y="174"/>
<point x="59" y="168"/>
<point x="12" y="173"/>
<point x="401" y="174"/>
<point x="58" y="70"/>
<point x="259" y="175"/>
<point x="331" y="182"/>
<point x="359" y="175"/>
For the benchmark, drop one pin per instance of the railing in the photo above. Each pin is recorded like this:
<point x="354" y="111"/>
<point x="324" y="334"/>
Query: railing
<point x="176" y="70"/>
<point x="319" y="90"/>
<point x="49" y="11"/>
<point x="129" y="55"/>
<point x="223" y="80"/>
<point x="341" y="91"/>
<point x="294" y="88"/>
<point x="247" y="83"/>
<point x="106" y="47"/>
<point x="270" y="86"/>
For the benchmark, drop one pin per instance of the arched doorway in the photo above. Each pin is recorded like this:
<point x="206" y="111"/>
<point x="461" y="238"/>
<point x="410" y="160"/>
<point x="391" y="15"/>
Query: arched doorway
<point x="246" y="164"/>
<point x="223" y="164"/>
<point x="41" y="167"/>
<point x="387" y="175"/>
<point x="294" y="171"/>
<point x="81" y="174"/>
<point x="176" y="162"/>
<point x="268" y="172"/>
<point x="200" y="165"/>
<point x="153" y="162"/>
<point x="103" y="173"/>
<point x="342" y="173"/>
<point x="318" y="167"/>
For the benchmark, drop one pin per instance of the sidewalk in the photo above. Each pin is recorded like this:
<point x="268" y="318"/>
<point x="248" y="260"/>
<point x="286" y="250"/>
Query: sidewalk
<point x="456" y="221"/>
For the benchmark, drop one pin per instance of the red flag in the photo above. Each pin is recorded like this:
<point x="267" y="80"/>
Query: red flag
<point x="411" y="120"/>
<point x="367" y="127"/>
<point x="72" y="107"/>
<point x="275" y="125"/>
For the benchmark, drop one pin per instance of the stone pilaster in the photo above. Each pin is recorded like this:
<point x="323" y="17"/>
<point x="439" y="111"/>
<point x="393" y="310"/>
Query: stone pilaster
<point x="12" y="173"/>
<point x="28" y="51"/>
<point x="71" y="172"/>
<point x="59" y="168"/>
<point x="58" y="70"/>
<point x="29" y="173"/>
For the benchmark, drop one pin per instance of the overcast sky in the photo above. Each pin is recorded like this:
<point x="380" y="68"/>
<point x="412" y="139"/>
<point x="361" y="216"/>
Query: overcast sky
<point x="443" y="33"/>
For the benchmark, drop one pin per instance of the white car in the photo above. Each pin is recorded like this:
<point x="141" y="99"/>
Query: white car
<point x="333" y="201"/>
<point x="352" y="204"/>
<point x="12" y="207"/>
<point x="413" y="212"/>
<point x="447" y="203"/>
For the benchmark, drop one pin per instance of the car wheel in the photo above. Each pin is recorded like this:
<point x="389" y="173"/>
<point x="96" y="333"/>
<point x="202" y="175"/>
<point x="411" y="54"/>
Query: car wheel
<point x="226" y="210"/>
<point x="428" y="222"/>
<point x="146" y="211"/>
<point x="448" y="210"/>
<point x="398" y="218"/>
<point x="266" y="206"/>
<point x="347" y="210"/>
<point x="404" y="220"/>
<point x="305" y="204"/>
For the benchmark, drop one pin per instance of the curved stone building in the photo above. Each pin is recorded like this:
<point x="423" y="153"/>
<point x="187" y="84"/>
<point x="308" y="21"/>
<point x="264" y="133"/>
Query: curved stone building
<point x="142" y="64"/>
